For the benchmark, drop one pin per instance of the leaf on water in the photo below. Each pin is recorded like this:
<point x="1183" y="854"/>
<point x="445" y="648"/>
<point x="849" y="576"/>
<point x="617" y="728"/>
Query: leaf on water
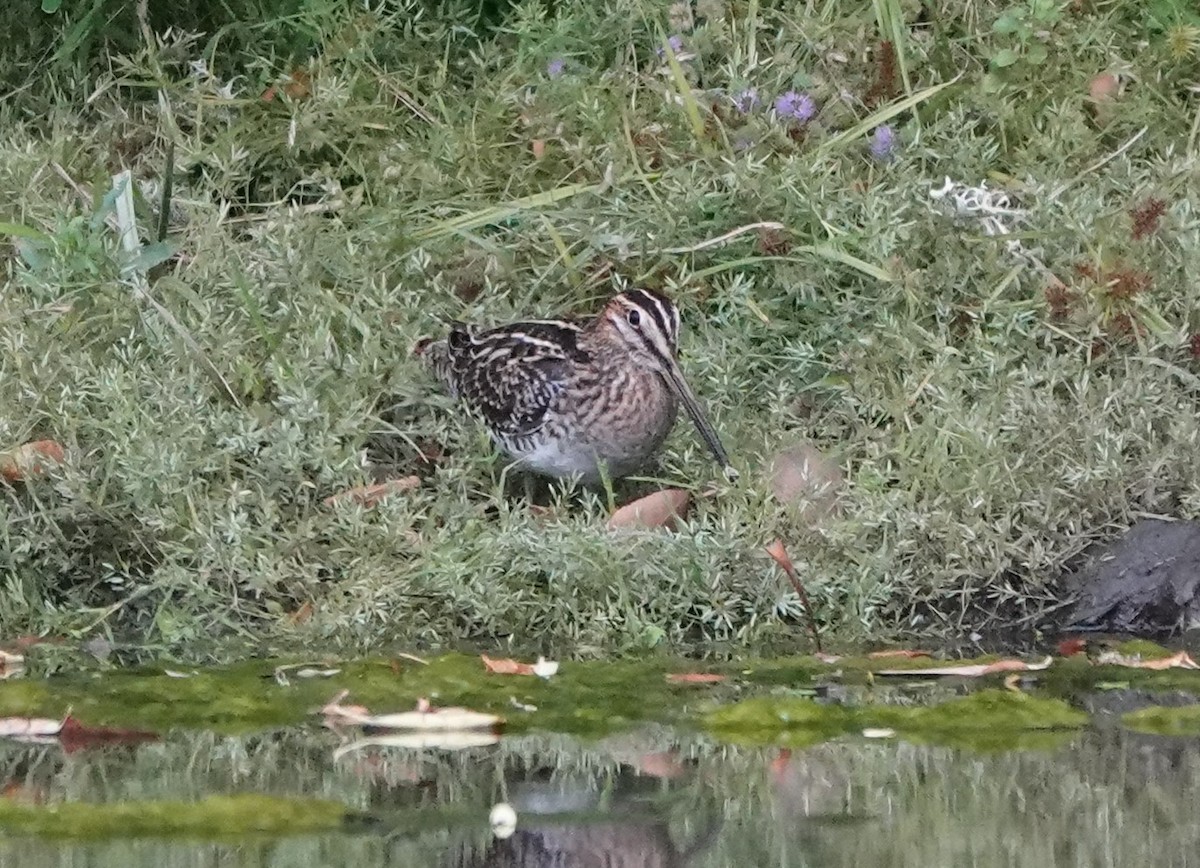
<point x="426" y="717"/>
<point x="506" y="666"/>
<point x="370" y="495"/>
<point x="1182" y="660"/>
<point x="973" y="670"/>
<point x="662" y="509"/>
<point x="29" y="727"/>
<point x="11" y="665"/>
<point x="878" y="732"/>
<point x="695" y="677"/>
<point x="30" y="459"/>
<point x="76" y="736"/>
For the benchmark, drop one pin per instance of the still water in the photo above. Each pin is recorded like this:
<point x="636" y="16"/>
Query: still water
<point x="649" y="796"/>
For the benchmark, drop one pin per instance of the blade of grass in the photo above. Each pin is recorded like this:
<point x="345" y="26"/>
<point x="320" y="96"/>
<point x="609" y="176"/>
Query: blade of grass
<point x="499" y="213"/>
<point x="884" y="114"/>
<point x="831" y="254"/>
<point x="690" y="106"/>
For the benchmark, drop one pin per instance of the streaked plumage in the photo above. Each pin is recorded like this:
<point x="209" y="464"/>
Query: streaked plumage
<point x="562" y="396"/>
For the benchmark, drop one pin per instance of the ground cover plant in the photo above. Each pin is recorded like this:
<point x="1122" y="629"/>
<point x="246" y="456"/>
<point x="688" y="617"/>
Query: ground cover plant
<point x="951" y="245"/>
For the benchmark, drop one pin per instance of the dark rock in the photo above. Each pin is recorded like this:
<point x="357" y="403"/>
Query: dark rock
<point x="1145" y="582"/>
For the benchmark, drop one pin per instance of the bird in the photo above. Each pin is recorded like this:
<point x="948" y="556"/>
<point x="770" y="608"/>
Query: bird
<point x="576" y="398"/>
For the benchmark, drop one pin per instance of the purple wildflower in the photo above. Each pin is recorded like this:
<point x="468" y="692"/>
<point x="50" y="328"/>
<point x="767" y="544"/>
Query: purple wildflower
<point x="883" y="142"/>
<point x="796" y="106"/>
<point x="555" y="67"/>
<point x="676" y="43"/>
<point x="747" y="101"/>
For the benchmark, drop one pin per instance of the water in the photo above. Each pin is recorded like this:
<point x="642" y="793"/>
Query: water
<point x="650" y="795"/>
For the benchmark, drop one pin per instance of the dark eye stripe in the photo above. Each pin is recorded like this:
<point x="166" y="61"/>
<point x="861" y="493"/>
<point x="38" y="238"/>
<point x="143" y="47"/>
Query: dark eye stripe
<point x="659" y="309"/>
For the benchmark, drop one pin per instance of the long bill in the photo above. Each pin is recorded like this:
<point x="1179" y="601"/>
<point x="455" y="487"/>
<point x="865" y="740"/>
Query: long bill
<point x="684" y="392"/>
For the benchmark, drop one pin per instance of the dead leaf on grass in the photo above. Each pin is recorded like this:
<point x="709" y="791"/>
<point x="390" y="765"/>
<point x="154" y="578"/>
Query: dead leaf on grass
<point x="506" y="666"/>
<point x="30" y="459"/>
<point x="662" y="509"/>
<point x="695" y="678"/>
<point x="778" y="552"/>
<point x="801" y="473"/>
<point x="973" y="670"/>
<point x="903" y="653"/>
<point x="371" y="495"/>
<point x="1182" y="660"/>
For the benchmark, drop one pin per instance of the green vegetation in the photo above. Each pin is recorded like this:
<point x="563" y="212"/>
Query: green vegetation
<point x="995" y="407"/>
<point x="216" y="817"/>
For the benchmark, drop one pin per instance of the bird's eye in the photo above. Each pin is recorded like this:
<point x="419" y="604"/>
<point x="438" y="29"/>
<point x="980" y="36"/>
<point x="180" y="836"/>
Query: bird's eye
<point x="634" y="317"/>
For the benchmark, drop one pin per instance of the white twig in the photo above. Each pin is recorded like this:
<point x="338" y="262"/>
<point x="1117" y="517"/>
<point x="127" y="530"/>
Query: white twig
<point x="721" y="239"/>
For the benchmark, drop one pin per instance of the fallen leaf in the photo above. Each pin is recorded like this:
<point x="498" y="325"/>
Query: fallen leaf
<point x="660" y="509"/>
<point x="801" y="473"/>
<point x="297" y="86"/>
<point x="1104" y="87"/>
<point x="426" y="717"/>
<point x="29" y="727"/>
<point x="778" y="553"/>
<point x="424" y="740"/>
<point x="1072" y="646"/>
<point x="538" y="146"/>
<point x="1182" y="660"/>
<point x="11" y="665"/>
<point x="504" y="666"/>
<point x="370" y="495"/>
<point x="878" y="732"/>
<point x="973" y="670"/>
<point x="695" y="677"/>
<point x="30" y="459"/>
<point x="899" y="652"/>
<point x="827" y="658"/>
<point x="74" y="735"/>
<point x="302" y="614"/>
<point x="664" y="765"/>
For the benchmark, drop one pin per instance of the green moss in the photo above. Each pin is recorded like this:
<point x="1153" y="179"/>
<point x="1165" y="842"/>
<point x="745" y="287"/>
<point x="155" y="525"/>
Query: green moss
<point x="1184" y="720"/>
<point x="213" y="817"/>
<point x="779" y="720"/>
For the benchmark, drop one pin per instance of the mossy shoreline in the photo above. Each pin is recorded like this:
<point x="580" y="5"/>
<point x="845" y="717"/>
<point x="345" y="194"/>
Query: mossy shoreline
<point x="995" y="403"/>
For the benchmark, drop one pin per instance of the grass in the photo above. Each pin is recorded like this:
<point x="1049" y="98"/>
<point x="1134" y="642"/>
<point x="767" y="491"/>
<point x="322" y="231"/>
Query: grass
<point x="994" y="411"/>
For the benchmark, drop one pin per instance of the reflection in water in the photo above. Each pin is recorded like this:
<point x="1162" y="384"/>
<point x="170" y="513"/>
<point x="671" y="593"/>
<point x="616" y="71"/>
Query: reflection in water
<point x="648" y="798"/>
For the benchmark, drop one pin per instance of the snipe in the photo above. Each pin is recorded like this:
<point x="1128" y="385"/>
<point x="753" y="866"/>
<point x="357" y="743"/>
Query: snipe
<point x="564" y="397"/>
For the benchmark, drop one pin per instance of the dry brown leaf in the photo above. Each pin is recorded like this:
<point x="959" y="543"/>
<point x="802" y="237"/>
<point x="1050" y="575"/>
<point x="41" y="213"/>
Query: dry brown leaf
<point x="30" y="459"/>
<point x="801" y="473"/>
<point x="1104" y="87"/>
<point x="505" y="666"/>
<point x="695" y="677"/>
<point x="1182" y="660"/>
<point x="778" y="553"/>
<point x="538" y="146"/>
<point x="904" y="653"/>
<point x="973" y="670"/>
<point x="426" y="717"/>
<point x="370" y="495"/>
<point x="662" y="509"/>
<point x="302" y="614"/>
